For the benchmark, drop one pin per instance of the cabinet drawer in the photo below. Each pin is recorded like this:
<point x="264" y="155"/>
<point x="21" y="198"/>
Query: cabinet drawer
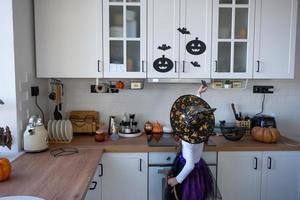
<point x="161" y="158"/>
<point x="210" y="157"/>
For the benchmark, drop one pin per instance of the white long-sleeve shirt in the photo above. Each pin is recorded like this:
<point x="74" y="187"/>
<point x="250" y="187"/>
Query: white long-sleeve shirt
<point x="192" y="154"/>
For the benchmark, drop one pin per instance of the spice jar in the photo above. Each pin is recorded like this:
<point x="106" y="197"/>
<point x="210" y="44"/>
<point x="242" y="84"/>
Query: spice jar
<point x="100" y="135"/>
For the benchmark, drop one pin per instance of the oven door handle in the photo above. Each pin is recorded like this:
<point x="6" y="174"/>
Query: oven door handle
<point x="163" y="171"/>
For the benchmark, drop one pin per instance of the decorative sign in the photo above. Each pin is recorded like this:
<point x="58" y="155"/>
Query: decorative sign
<point x="163" y="64"/>
<point x="195" y="47"/>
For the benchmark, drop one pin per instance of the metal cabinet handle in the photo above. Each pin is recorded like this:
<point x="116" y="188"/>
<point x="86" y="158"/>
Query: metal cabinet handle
<point x="140" y="165"/>
<point x="168" y="158"/>
<point x="269" y="165"/>
<point x="175" y="66"/>
<point x="143" y="66"/>
<point x="95" y="185"/>
<point x="216" y="68"/>
<point x="255" y="161"/>
<point x="183" y="66"/>
<point x="258" y="65"/>
<point x="101" y="170"/>
<point x="98" y="65"/>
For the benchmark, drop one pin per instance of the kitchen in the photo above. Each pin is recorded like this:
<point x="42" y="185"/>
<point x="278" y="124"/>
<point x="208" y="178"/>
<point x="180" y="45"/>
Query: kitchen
<point x="62" y="39"/>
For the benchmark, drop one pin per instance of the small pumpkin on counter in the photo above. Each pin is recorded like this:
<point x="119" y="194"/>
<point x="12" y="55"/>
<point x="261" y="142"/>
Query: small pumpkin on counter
<point x="120" y="85"/>
<point x="5" y="169"/>
<point x="157" y="128"/>
<point x="267" y="135"/>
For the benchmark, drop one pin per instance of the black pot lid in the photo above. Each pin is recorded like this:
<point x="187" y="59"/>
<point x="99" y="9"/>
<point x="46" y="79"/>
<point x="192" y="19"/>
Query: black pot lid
<point x="192" y="119"/>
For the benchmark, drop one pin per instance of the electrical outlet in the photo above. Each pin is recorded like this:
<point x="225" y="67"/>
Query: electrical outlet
<point x="34" y="91"/>
<point x="263" y="89"/>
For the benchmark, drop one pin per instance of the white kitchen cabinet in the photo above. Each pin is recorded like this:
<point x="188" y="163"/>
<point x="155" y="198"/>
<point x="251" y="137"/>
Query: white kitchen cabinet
<point x="68" y="37"/>
<point x="233" y="38"/>
<point x="281" y="176"/>
<point x="275" y="39"/>
<point x="239" y="175"/>
<point x="124" y="38"/>
<point x="259" y="175"/>
<point x="95" y="188"/>
<point x="168" y="56"/>
<point x="124" y="176"/>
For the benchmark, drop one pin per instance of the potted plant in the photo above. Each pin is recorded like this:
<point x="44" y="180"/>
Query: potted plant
<point x="227" y="84"/>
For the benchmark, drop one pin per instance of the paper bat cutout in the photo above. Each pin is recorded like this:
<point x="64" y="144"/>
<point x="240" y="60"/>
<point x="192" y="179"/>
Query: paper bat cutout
<point x="195" y="64"/>
<point x="164" y="47"/>
<point x="183" y="30"/>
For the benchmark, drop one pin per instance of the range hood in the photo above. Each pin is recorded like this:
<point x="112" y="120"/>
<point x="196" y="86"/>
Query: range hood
<point x="175" y="80"/>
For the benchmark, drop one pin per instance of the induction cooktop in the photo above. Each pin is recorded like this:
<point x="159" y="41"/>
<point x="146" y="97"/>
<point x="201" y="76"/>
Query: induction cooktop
<point x="167" y="140"/>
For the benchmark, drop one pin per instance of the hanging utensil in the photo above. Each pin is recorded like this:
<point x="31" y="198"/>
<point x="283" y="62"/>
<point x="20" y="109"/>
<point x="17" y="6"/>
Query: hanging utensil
<point x="234" y="112"/>
<point x="57" y="114"/>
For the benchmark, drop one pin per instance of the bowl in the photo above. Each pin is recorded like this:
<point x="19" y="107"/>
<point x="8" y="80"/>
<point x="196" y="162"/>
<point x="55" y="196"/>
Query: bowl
<point x="232" y="132"/>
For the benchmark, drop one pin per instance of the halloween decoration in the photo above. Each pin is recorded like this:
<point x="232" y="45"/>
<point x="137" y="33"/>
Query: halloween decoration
<point x="157" y="128"/>
<point x="148" y="127"/>
<point x="183" y="30"/>
<point x="5" y="169"/>
<point x="120" y="85"/>
<point x="195" y="47"/>
<point x="163" y="64"/>
<point x="266" y="135"/>
<point x="192" y="119"/>
<point x="164" y="47"/>
<point x="195" y="64"/>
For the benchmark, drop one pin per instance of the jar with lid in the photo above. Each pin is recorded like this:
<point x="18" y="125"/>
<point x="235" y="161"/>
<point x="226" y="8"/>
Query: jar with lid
<point x="100" y="135"/>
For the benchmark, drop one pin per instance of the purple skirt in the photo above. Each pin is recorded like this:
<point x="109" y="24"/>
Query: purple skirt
<point x="199" y="184"/>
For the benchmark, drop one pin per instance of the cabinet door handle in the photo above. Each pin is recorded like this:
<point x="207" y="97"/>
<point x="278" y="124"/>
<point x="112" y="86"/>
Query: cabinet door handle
<point x="175" y="66"/>
<point x="258" y="65"/>
<point x="140" y="165"/>
<point x="143" y="66"/>
<point x="255" y="163"/>
<point x="269" y="165"/>
<point x="101" y="170"/>
<point x="98" y="64"/>
<point x="95" y="185"/>
<point x="183" y="66"/>
<point x="216" y="67"/>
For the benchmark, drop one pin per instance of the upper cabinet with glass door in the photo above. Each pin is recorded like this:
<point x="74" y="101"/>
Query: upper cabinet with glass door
<point x="232" y="40"/>
<point x="124" y="38"/>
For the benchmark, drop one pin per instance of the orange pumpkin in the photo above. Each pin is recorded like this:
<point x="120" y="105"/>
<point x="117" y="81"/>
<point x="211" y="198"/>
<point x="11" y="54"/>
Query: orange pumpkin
<point x="157" y="128"/>
<point x="5" y="169"/>
<point x="120" y="85"/>
<point x="267" y="135"/>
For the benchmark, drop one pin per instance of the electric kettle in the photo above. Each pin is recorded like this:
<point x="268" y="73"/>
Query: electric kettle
<point x="35" y="135"/>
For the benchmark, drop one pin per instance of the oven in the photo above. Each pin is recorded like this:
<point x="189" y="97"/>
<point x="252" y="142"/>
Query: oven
<point x="158" y="168"/>
<point x="160" y="164"/>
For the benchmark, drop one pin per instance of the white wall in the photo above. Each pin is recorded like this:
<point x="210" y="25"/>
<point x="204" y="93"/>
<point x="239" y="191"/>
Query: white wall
<point x="154" y="102"/>
<point x="17" y="64"/>
<point x="25" y="66"/>
<point x="8" y="113"/>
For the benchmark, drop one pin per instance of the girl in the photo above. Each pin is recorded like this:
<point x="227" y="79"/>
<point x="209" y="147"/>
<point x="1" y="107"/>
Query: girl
<point x="191" y="172"/>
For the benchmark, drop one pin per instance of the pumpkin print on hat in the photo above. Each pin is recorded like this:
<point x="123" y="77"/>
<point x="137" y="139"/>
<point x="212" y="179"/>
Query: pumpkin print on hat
<point x="163" y="64"/>
<point x="196" y="47"/>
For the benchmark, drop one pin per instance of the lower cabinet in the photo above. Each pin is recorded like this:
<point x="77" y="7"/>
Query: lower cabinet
<point x="95" y="189"/>
<point x="124" y="176"/>
<point x="259" y="175"/>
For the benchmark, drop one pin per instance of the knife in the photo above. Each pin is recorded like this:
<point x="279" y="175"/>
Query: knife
<point x="234" y="111"/>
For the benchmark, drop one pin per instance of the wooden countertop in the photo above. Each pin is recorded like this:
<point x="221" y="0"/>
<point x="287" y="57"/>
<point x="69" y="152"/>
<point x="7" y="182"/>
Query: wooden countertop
<point x="68" y="177"/>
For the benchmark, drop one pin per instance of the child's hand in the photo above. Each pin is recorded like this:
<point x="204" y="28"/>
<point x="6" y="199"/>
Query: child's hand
<point x="172" y="181"/>
<point x="201" y="89"/>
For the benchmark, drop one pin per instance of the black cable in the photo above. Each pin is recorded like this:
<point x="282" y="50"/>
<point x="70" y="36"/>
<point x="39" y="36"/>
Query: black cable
<point x="262" y="105"/>
<point x="37" y="105"/>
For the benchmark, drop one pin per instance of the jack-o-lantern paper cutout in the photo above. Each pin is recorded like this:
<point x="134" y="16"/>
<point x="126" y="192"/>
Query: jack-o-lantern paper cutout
<point x="195" y="47"/>
<point x="195" y="64"/>
<point x="163" y="64"/>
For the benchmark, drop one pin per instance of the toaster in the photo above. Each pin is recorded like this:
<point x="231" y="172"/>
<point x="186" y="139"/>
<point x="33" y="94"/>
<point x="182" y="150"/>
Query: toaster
<point x="263" y="121"/>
